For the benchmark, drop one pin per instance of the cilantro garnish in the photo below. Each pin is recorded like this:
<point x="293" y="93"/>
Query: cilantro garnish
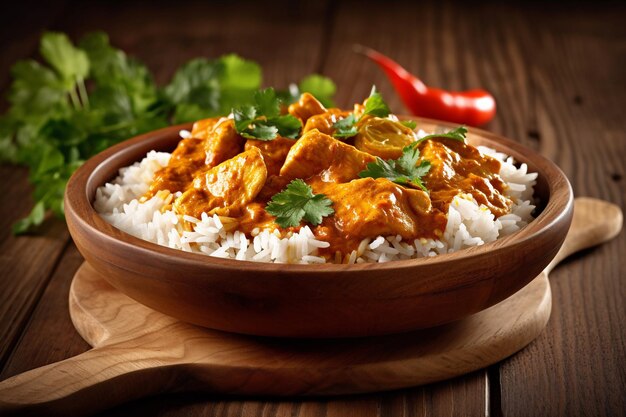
<point x="297" y="202"/>
<point x="411" y="124"/>
<point x="374" y="106"/>
<point x="345" y="128"/>
<point x="403" y="170"/>
<point x="323" y="88"/>
<point x="263" y="121"/>
<point x="79" y="99"/>
<point x="456" y="134"/>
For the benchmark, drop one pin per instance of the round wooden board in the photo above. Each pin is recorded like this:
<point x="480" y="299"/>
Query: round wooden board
<point x="132" y="338"/>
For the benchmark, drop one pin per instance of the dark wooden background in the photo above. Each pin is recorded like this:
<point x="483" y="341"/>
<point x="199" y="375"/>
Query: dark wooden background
<point x="559" y="76"/>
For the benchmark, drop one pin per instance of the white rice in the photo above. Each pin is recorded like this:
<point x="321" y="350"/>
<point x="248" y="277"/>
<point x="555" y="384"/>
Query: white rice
<point x="469" y="224"/>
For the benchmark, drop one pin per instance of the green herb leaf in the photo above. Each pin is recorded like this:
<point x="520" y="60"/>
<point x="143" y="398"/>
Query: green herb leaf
<point x="297" y="202"/>
<point x="70" y="62"/>
<point x="403" y="170"/>
<point x="260" y="131"/>
<point x="266" y="103"/>
<point x="263" y="121"/>
<point x="238" y="80"/>
<point x="35" y="218"/>
<point x="456" y="134"/>
<point x="323" y="88"/>
<point x="411" y="124"/>
<point x="111" y="68"/>
<point x="288" y="126"/>
<point x="375" y="105"/>
<point x="239" y="74"/>
<point x="345" y="128"/>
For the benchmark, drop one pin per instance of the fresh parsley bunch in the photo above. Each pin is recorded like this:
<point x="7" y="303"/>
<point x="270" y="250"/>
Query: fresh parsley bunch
<point x="84" y="98"/>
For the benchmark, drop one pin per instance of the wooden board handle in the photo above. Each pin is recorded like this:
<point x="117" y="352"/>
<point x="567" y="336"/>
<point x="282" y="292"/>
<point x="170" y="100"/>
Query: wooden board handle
<point x="90" y="382"/>
<point x="595" y="222"/>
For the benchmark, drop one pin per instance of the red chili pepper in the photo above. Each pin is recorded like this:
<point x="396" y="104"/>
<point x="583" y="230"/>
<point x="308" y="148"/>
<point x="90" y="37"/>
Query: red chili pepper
<point x="472" y="107"/>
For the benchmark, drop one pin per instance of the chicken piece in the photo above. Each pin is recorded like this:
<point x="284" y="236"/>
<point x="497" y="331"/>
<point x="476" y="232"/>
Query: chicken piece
<point x="324" y="122"/>
<point x="274" y="152"/>
<point x="319" y="154"/>
<point x="225" y="189"/>
<point x="213" y="141"/>
<point x="186" y="160"/>
<point x="306" y="107"/>
<point x="458" y="168"/>
<point x="222" y="143"/>
<point x="370" y="207"/>
<point x="203" y="128"/>
<point x="273" y="185"/>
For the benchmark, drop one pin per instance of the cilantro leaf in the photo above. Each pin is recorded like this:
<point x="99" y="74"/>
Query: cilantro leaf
<point x="262" y="121"/>
<point x="345" y="128"/>
<point x="411" y="124"/>
<point x="194" y="86"/>
<point x="208" y="88"/>
<point x="375" y="105"/>
<point x="456" y="134"/>
<point x="323" y="88"/>
<point x="260" y="131"/>
<point x="112" y="68"/>
<point x="239" y="74"/>
<point x="36" y="93"/>
<point x="70" y="62"/>
<point x="288" y="126"/>
<point x="297" y="202"/>
<point x="266" y="103"/>
<point x="35" y="218"/>
<point x="404" y="170"/>
<point x="238" y="80"/>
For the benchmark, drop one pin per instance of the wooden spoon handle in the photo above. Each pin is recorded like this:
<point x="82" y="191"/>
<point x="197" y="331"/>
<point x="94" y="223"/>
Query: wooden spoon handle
<point x="595" y="221"/>
<point x="85" y="384"/>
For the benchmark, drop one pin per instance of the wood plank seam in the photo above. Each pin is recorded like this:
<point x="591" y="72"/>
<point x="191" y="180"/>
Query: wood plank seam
<point x="23" y="325"/>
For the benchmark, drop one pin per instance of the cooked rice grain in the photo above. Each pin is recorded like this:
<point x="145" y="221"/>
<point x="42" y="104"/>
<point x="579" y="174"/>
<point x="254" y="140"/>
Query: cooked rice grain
<point x="469" y="224"/>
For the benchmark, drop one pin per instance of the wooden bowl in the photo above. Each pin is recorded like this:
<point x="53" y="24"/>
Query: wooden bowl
<point x="315" y="300"/>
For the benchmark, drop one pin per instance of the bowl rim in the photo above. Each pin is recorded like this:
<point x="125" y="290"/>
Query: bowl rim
<point x="87" y="218"/>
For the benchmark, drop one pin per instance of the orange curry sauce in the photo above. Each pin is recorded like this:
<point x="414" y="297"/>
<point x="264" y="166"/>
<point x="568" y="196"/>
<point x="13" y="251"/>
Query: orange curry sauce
<point x="219" y="172"/>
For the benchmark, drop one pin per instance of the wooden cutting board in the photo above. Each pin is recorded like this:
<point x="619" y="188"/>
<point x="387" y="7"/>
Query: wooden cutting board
<point x="139" y="352"/>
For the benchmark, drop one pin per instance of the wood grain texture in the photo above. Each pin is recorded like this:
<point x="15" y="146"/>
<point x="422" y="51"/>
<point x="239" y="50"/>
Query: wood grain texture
<point x="557" y="73"/>
<point x="51" y="322"/>
<point x="139" y="352"/>
<point x="574" y="62"/>
<point x="26" y="264"/>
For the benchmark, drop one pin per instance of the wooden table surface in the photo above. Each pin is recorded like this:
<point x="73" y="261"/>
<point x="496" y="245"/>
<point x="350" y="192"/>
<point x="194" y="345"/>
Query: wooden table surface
<point x="559" y="77"/>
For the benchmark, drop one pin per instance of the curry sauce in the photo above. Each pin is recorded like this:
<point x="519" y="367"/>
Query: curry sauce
<point x="217" y="171"/>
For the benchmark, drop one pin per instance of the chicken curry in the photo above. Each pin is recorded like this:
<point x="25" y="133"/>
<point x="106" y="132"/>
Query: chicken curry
<point x="218" y="170"/>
